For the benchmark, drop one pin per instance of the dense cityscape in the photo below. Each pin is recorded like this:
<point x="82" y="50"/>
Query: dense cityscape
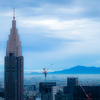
<point x="16" y="84"/>
<point x="31" y="86"/>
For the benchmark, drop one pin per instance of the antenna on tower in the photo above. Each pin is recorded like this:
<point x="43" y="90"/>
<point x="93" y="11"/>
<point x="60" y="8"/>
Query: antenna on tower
<point x="13" y="13"/>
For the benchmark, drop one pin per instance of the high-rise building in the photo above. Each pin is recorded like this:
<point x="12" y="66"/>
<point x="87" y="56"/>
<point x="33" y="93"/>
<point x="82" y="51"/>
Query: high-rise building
<point x="68" y="90"/>
<point x="60" y="96"/>
<point x="72" y="81"/>
<point x="92" y="91"/>
<point x="13" y="80"/>
<point x="47" y="90"/>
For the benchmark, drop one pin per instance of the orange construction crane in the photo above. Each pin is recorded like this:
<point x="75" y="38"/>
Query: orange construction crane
<point x="88" y="96"/>
<point x="45" y="71"/>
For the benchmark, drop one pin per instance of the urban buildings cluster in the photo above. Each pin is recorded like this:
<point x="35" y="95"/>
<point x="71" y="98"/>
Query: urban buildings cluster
<point x="51" y="91"/>
<point x="15" y="89"/>
<point x="72" y="91"/>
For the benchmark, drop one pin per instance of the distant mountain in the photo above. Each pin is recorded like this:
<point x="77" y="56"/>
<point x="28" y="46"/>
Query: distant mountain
<point x="75" y="70"/>
<point x="79" y="70"/>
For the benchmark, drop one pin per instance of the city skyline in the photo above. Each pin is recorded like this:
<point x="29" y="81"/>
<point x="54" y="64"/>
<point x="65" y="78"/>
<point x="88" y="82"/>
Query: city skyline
<point x="65" y="33"/>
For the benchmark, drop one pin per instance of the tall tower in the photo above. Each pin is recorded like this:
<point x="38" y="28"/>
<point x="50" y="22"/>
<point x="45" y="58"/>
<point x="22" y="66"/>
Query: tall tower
<point x="47" y="90"/>
<point x="72" y="81"/>
<point x="13" y="80"/>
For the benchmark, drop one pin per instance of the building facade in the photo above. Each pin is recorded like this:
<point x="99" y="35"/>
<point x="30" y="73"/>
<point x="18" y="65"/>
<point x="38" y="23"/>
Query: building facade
<point x="60" y="96"/>
<point x="47" y="90"/>
<point x="72" y="81"/>
<point x="13" y="80"/>
<point x="92" y="91"/>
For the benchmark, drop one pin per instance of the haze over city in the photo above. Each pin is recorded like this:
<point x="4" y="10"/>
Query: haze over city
<point x="63" y="32"/>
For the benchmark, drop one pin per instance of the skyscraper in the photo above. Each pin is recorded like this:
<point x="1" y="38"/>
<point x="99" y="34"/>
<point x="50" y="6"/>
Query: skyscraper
<point x="47" y="90"/>
<point x="68" y="90"/>
<point x="60" y="96"/>
<point x="72" y="81"/>
<point x="13" y="80"/>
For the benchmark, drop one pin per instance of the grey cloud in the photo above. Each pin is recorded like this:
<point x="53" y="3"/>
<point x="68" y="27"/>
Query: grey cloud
<point x="50" y="8"/>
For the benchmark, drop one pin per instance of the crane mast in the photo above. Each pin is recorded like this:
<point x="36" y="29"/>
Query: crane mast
<point x="88" y="96"/>
<point x="45" y="71"/>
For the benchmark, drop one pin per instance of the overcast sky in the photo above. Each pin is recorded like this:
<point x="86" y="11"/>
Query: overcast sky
<point x="63" y="32"/>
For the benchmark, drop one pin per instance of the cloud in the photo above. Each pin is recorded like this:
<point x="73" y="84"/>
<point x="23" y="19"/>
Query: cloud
<point x="72" y="10"/>
<point x="54" y="31"/>
<point x="74" y="29"/>
<point x="6" y="14"/>
<point x="68" y="51"/>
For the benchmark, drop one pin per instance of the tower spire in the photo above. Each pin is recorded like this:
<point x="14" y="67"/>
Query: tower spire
<point x="13" y="13"/>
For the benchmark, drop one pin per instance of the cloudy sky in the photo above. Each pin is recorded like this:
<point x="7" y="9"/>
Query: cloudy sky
<point x="63" y="32"/>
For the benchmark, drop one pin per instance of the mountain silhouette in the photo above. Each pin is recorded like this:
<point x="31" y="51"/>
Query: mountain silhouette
<point x="74" y="70"/>
<point x="79" y="70"/>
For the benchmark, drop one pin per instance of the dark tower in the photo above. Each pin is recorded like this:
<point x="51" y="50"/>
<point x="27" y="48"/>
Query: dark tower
<point x="13" y="80"/>
<point x="72" y="81"/>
